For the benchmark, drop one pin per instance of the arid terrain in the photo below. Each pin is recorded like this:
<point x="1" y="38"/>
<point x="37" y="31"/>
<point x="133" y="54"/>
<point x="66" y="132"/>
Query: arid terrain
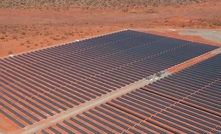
<point x="25" y="29"/>
<point x="102" y="85"/>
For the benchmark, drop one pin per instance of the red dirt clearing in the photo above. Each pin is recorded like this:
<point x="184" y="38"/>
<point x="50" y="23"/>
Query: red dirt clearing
<point x="7" y="125"/>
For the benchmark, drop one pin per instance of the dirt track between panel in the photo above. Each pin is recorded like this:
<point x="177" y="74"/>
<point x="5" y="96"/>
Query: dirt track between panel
<point x="84" y="107"/>
<point x="193" y="61"/>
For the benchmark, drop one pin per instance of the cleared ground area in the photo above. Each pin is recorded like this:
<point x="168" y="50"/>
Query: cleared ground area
<point x="185" y="102"/>
<point x="40" y="84"/>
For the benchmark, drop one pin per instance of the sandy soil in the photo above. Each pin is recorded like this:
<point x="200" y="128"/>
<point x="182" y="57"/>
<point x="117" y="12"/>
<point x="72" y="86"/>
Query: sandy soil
<point x="27" y="29"/>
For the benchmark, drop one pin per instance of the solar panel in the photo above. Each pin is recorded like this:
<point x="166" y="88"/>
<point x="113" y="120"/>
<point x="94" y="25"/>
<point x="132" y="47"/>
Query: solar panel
<point x="52" y="80"/>
<point x="182" y="108"/>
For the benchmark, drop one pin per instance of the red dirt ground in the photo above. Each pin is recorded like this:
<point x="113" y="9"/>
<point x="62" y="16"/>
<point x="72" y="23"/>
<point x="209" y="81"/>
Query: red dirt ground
<point x="190" y="62"/>
<point x="7" y="125"/>
<point x="27" y="29"/>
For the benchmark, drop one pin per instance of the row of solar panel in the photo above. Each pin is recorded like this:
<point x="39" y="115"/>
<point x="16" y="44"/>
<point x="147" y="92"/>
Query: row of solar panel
<point x="45" y="87"/>
<point x="82" y="46"/>
<point x="186" y="102"/>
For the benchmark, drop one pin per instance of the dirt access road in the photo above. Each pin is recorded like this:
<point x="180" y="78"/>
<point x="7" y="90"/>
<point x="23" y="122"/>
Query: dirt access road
<point x="81" y="108"/>
<point x="112" y="95"/>
<point x="27" y="29"/>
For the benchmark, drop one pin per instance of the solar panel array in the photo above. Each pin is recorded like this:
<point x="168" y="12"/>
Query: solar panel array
<point x="186" y="102"/>
<point x="37" y="85"/>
